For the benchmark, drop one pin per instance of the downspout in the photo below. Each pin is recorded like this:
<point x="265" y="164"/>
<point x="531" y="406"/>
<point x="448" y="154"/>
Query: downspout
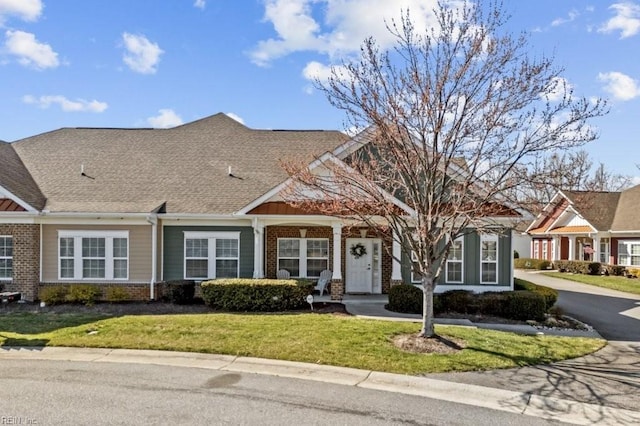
<point x="153" y="220"/>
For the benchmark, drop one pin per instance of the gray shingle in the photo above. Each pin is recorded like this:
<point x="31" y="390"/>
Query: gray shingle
<point x="15" y="178"/>
<point x="135" y="170"/>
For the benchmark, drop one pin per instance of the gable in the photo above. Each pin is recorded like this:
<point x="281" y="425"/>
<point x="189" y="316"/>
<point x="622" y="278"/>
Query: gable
<point x="7" y="205"/>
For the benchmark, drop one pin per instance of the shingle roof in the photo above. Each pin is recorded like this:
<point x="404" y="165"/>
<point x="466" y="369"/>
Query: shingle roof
<point x="627" y="216"/>
<point x="186" y="167"/>
<point x="15" y="178"/>
<point x="598" y="208"/>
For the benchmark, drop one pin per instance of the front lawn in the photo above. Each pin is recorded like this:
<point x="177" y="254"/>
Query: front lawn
<point x="323" y="339"/>
<point x="629" y="285"/>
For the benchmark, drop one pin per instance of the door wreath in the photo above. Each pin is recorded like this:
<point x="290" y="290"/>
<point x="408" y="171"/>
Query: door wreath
<point x="358" y="250"/>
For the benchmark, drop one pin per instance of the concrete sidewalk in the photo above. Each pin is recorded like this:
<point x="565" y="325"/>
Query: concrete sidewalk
<point x="496" y="399"/>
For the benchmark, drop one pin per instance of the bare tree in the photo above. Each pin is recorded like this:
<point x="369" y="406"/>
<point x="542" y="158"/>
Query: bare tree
<point x="605" y="180"/>
<point x="449" y="113"/>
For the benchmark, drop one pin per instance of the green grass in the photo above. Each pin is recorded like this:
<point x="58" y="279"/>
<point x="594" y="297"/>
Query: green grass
<point x="628" y="285"/>
<point x="322" y="339"/>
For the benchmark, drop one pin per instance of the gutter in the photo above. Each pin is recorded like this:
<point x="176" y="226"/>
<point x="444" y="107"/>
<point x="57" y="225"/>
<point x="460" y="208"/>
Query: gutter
<point x="153" y="220"/>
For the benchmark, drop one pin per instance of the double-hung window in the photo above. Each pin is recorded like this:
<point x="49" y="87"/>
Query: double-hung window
<point x="604" y="250"/>
<point x="211" y="255"/>
<point x="455" y="262"/>
<point x="416" y="276"/>
<point x="488" y="259"/>
<point x="93" y="255"/>
<point x="6" y="257"/>
<point x="303" y="257"/>
<point x="629" y="253"/>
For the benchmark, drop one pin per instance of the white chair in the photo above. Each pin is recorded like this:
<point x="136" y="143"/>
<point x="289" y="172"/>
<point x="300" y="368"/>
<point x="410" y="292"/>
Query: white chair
<point x="283" y="274"/>
<point x="324" y="281"/>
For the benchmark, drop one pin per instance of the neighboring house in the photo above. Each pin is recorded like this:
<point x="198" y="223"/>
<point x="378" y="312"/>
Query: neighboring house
<point x="591" y="226"/>
<point x="133" y="207"/>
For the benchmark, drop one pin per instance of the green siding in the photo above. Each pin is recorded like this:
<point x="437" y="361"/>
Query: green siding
<point x="472" y="262"/>
<point x="173" y="249"/>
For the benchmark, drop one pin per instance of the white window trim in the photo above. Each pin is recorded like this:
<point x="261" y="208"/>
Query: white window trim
<point x="77" y="254"/>
<point x="211" y="237"/>
<point x="545" y="251"/>
<point x="628" y="244"/>
<point x="302" y="266"/>
<point x="606" y="253"/>
<point x="490" y="237"/>
<point x="414" y="274"/>
<point x="461" y="261"/>
<point x="8" y="257"/>
<point x="536" y="249"/>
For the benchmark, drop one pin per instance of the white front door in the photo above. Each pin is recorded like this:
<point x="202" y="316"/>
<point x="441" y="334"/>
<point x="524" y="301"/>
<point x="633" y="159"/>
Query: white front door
<point x="363" y="266"/>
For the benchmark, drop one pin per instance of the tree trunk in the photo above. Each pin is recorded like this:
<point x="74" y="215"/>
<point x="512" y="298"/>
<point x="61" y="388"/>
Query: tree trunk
<point x="427" y="306"/>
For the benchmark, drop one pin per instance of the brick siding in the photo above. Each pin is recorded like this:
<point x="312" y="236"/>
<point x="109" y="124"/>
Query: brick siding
<point x="26" y="259"/>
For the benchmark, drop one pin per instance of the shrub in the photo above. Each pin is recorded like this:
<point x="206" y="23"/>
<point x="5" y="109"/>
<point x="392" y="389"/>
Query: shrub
<point x="461" y="301"/>
<point x="256" y="295"/>
<point x="491" y="303"/>
<point x="405" y="298"/>
<point x="578" y="267"/>
<point x="594" y="268"/>
<point x="633" y="272"/>
<point x="116" y="294"/>
<point x="526" y="263"/>
<point x="86" y="294"/>
<point x="179" y="292"/>
<point x="550" y="295"/>
<point x="615" y="270"/>
<point x="54" y="295"/>
<point x="524" y="305"/>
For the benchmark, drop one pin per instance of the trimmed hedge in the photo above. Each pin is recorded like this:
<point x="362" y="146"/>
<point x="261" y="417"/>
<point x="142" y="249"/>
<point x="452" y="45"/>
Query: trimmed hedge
<point x="256" y="295"/>
<point x="85" y="294"/>
<point x="54" y="295"/>
<point x="578" y="267"/>
<point x="526" y="263"/>
<point x="518" y="305"/>
<point x="615" y="270"/>
<point x="550" y="295"/>
<point x="179" y="292"/>
<point x="405" y="298"/>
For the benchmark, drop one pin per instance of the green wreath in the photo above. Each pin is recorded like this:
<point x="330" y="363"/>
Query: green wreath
<point x="358" y="250"/>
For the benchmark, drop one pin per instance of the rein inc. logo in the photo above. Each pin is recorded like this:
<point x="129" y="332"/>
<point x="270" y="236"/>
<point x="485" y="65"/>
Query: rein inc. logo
<point x="17" y="420"/>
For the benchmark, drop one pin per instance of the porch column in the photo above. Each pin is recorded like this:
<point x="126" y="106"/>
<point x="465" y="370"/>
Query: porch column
<point x="258" y="249"/>
<point x="337" y="251"/>
<point x="396" y="267"/>
<point x="572" y="248"/>
<point x="596" y="249"/>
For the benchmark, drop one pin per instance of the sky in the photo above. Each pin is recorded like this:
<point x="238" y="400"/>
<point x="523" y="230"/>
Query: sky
<point x="150" y="63"/>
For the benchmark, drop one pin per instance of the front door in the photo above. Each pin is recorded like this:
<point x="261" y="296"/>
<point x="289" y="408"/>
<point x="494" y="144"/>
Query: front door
<point x="363" y="265"/>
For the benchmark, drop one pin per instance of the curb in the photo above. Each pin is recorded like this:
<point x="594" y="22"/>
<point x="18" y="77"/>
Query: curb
<point x="480" y="396"/>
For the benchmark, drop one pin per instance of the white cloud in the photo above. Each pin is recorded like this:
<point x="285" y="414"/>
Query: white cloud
<point x="635" y="180"/>
<point x="235" y="117"/>
<point x="79" y="105"/>
<point x="142" y="55"/>
<point x="30" y="52"/>
<point x="28" y="10"/>
<point x="200" y="4"/>
<point x="342" y="29"/>
<point x="573" y="14"/>
<point x="620" y="86"/>
<point x="626" y="19"/>
<point x="166" y="118"/>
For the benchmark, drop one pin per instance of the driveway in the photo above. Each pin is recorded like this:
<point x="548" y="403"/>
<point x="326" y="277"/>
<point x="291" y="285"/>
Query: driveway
<point x="608" y="377"/>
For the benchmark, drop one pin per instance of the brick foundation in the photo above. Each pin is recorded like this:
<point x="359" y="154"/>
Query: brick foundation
<point x="337" y="289"/>
<point x="26" y="259"/>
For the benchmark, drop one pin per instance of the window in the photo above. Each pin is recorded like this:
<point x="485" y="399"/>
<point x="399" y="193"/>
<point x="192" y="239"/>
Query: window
<point x="211" y="255"/>
<point x="629" y="253"/>
<point x="489" y="259"/>
<point x="416" y="276"/>
<point x="536" y="249"/>
<point x="303" y="257"/>
<point x="544" y="249"/>
<point x="6" y="258"/>
<point x="454" y="265"/>
<point x="604" y="250"/>
<point x="93" y="255"/>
